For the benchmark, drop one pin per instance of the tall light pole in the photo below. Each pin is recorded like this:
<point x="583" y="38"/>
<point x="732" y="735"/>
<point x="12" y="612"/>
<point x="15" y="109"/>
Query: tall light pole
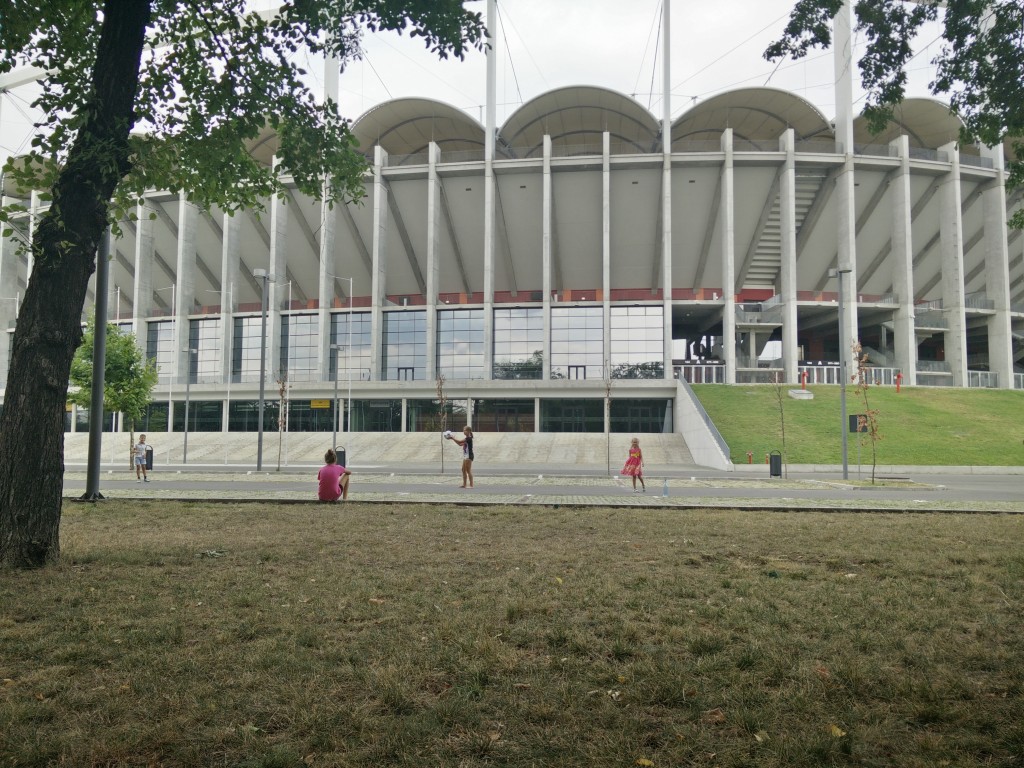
<point x="261" y="274"/>
<point x="188" y="391"/>
<point x="843" y="355"/>
<point x="336" y="348"/>
<point x="348" y="361"/>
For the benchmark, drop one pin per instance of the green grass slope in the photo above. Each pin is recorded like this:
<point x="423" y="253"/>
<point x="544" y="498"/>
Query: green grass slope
<point x="920" y="425"/>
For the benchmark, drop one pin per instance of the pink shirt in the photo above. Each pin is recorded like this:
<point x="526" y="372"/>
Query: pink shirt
<point x="330" y="482"/>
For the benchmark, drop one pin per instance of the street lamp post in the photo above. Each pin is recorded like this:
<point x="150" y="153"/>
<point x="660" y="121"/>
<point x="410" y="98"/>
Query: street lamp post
<point x="838" y="273"/>
<point x="261" y="274"/>
<point x="188" y="391"/>
<point x="336" y="348"/>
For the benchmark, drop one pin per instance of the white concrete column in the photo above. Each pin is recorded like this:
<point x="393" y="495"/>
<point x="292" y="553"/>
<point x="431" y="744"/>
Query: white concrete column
<point x="325" y="282"/>
<point x="490" y="190"/>
<point x="229" y="261"/>
<point x="434" y="225"/>
<point x="846" y="214"/>
<point x="378" y="276"/>
<point x="142" y="291"/>
<point x="952" y="247"/>
<point x="666" y="186"/>
<point x="10" y="299"/>
<point x="606" y="252"/>
<point x="727" y="212"/>
<point x="997" y="272"/>
<point x="787" y="273"/>
<point x="902" y="260"/>
<point x="35" y="213"/>
<point x="536" y="414"/>
<point x="277" y="290"/>
<point x="546" y="256"/>
<point x="188" y="222"/>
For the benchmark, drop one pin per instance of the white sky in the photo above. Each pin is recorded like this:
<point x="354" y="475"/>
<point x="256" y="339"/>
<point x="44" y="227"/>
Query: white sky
<point x="717" y="45"/>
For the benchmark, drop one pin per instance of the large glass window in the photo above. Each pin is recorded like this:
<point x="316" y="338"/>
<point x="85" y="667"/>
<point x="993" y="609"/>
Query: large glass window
<point x="154" y="418"/>
<point x="351" y="361"/>
<point x="204" y="366"/>
<point x="577" y="415"/>
<point x="425" y="415"/>
<point x="203" y="415"/>
<point x="376" y="415"/>
<point x="518" y="343"/>
<point x="637" y="335"/>
<point x="460" y="343"/>
<point x="405" y="346"/>
<point x="243" y="415"/>
<point x="160" y="348"/>
<point x="299" y="340"/>
<point x="641" y="416"/>
<point x="504" y="415"/>
<point x="245" y="351"/>
<point x="82" y="420"/>
<point x="303" y="417"/>
<point x="577" y="343"/>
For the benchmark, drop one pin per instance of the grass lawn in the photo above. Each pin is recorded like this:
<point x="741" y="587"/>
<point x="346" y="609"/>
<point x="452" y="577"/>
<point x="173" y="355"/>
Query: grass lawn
<point x="282" y="635"/>
<point x="920" y="425"/>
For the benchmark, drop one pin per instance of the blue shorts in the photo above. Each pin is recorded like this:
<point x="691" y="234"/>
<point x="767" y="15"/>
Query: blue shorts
<point x="140" y="461"/>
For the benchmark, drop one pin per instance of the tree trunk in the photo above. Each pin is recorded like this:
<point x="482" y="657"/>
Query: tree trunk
<point x="49" y="324"/>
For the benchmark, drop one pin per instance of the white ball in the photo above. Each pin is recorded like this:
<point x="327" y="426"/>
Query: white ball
<point x="447" y="433"/>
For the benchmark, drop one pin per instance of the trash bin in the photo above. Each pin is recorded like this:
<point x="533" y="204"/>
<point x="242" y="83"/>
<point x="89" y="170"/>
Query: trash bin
<point x="340" y="451"/>
<point x="775" y="464"/>
<point x="149" y="457"/>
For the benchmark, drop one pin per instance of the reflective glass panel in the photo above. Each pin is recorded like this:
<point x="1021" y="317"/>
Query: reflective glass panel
<point x="460" y="343"/>
<point x="404" y="346"/>
<point x="518" y="343"/>
<point x="299" y="338"/>
<point x="637" y="335"/>
<point x="577" y="344"/>
<point x="355" y="347"/>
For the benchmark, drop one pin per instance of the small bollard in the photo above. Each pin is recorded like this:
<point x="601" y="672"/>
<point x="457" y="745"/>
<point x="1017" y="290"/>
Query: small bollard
<point x="664" y="488"/>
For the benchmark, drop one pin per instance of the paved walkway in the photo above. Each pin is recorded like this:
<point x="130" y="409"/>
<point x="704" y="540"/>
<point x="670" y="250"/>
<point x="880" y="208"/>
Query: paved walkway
<point x="688" y="488"/>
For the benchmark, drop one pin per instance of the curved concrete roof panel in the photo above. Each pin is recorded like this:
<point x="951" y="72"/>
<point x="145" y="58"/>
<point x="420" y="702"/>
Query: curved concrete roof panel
<point x="928" y="123"/>
<point x="407" y="126"/>
<point x="576" y="117"/>
<point x="759" y="115"/>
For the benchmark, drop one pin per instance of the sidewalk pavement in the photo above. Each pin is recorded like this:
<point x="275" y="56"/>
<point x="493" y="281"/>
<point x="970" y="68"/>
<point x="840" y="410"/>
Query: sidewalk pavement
<point x="814" y="488"/>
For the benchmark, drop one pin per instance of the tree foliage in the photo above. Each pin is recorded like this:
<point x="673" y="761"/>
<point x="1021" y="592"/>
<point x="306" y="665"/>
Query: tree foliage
<point x="979" y="69"/>
<point x="128" y="378"/>
<point x="201" y="81"/>
<point x="212" y="78"/>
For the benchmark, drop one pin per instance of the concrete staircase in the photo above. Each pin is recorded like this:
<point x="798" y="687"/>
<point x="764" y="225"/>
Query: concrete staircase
<point x="533" y="451"/>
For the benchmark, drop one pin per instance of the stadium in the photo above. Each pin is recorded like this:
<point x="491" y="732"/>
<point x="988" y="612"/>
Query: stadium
<point x="592" y="254"/>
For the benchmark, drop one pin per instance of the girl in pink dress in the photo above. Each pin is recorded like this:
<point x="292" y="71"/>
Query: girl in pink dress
<point x="634" y="466"/>
<point x="332" y="478"/>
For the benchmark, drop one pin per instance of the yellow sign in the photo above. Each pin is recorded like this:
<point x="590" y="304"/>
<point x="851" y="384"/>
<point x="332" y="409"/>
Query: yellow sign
<point x="319" y="403"/>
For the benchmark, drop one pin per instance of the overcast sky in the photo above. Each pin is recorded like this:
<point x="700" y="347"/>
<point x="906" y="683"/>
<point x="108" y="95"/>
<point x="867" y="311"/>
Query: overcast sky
<point x="717" y="45"/>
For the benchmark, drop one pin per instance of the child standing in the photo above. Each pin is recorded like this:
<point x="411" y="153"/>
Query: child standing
<point x="634" y="466"/>
<point x="467" y="455"/>
<point x="140" y="460"/>
<point x="333" y="478"/>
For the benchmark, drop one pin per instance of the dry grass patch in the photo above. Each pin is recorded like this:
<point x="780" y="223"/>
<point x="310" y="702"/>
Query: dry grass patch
<point x="282" y="635"/>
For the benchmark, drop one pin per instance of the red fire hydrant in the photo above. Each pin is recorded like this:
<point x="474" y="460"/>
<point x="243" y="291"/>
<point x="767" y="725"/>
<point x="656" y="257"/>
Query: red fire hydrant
<point x="750" y="457"/>
<point x="766" y="458"/>
<point x="803" y="379"/>
<point x="899" y="381"/>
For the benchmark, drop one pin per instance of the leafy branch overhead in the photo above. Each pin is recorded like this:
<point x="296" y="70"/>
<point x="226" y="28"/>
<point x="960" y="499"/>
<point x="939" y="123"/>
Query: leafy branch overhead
<point x="214" y="81"/>
<point x="979" y="69"/>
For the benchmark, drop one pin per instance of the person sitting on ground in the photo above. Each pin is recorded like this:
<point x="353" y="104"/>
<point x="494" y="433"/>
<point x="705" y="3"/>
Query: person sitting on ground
<point x="333" y="478"/>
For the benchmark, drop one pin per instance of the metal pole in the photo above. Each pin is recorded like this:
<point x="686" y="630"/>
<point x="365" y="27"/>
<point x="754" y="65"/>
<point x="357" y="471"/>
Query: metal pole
<point x="842" y="375"/>
<point x="348" y="364"/>
<point x="261" y="274"/>
<point x="99" y="358"/>
<point x="334" y="436"/>
<point x="188" y="392"/>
